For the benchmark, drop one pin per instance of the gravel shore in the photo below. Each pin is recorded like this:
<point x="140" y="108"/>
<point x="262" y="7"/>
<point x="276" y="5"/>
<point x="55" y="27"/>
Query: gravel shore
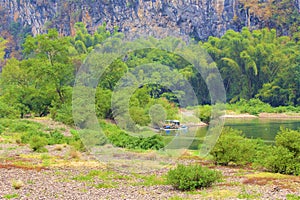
<point x="71" y="181"/>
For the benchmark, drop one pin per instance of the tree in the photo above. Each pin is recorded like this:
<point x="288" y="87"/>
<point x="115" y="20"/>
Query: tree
<point x="55" y="68"/>
<point x="43" y="79"/>
<point x="2" y="48"/>
<point x="248" y="60"/>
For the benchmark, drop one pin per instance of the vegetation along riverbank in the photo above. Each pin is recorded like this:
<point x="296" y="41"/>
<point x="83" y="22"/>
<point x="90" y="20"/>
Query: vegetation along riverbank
<point x="58" y="91"/>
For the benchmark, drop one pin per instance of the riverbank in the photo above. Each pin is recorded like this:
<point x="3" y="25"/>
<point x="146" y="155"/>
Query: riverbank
<point x="65" y="173"/>
<point x="280" y="115"/>
<point x="263" y="116"/>
<point x="29" y="175"/>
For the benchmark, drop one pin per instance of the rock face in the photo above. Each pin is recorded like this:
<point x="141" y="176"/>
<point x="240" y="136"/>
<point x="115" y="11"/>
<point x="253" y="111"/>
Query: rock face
<point x="196" y="18"/>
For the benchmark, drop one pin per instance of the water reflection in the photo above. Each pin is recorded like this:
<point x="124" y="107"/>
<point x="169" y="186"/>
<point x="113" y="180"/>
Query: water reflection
<point x="266" y="129"/>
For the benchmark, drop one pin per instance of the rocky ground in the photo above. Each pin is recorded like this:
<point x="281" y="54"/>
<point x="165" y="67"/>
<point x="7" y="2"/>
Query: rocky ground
<point x="61" y="174"/>
<point x="64" y="173"/>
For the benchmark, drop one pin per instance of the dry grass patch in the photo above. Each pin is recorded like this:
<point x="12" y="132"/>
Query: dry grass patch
<point x="259" y="181"/>
<point x="74" y="154"/>
<point x="222" y="194"/>
<point x="279" y="180"/>
<point x="17" y="184"/>
<point x="78" y="164"/>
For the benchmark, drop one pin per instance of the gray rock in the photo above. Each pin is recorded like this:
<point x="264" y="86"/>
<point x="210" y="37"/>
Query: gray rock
<point x="199" y="19"/>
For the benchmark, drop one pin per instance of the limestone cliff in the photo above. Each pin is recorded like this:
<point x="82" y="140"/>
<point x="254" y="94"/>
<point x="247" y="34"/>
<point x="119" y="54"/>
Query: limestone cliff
<point x="197" y="18"/>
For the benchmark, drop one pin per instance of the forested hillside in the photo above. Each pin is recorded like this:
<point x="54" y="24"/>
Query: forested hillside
<point x="253" y="64"/>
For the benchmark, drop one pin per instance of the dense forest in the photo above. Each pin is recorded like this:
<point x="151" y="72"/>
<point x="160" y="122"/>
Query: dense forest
<point x="253" y="64"/>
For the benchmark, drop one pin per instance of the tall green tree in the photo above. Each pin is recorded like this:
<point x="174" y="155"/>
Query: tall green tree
<point x="248" y="60"/>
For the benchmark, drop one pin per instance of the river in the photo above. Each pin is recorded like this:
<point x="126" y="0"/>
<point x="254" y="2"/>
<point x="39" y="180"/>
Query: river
<point x="265" y="129"/>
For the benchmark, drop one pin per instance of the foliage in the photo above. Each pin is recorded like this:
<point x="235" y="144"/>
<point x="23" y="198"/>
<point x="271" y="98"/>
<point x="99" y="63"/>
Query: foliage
<point x="62" y="114"/>
<point x="122" y="139"/>
<point x="192" y="177"/>
<point x="2" y="47"/>
<point x="252" y="106"/>
<point x="257" y="63"/>
<point x="38" y="143"/>
<point x="7" y="111"/>
<point x="256" y="106"/>
<point x="204" y="113"/>
<point x="284" y="157"/>
<point x="292" y="197"/>
<point x="254" y="64"/>
<point x="35" y="135"/>
<point x="42" y="79"/>
<point x="233" y="147"/>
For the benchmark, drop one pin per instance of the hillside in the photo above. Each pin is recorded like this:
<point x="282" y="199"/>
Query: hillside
<point x="195" y="18"/>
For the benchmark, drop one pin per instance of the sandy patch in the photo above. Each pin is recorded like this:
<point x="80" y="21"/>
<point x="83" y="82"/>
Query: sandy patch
<point x="280" y="115"/>
<point x="239" y="116"/>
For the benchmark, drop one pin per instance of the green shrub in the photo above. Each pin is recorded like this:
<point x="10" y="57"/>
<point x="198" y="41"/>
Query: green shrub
<point x="252" y="106"/>
<point x="63" y="114"/>
<point x="256" y="106"/>
<point x="124" y="140"/>
<point x="38" y="143"/>
<point x="56" y="137"/>
<point x="204" y="113"/>
<point x="22" y="126"/>
<point x="284" y="157"/>
<point x="233" y="147"/>
<point x="120" y="138"/>
<point x="92" y="138"/>
<point x="281" y="160"/>
<point x="289" y="139"/>
<point x="192" y="177"/>
<point x="7" y="111"/>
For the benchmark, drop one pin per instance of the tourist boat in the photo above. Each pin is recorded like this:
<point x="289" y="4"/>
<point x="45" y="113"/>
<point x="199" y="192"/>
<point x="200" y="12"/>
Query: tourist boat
<point x="170" y="125"/>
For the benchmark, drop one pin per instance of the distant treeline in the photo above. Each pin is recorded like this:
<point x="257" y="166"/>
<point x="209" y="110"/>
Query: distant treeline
<point x="253" y="64"/>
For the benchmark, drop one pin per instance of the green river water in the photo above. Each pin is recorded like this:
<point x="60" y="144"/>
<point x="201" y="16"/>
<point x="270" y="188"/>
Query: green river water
<point x="266" y="129"/>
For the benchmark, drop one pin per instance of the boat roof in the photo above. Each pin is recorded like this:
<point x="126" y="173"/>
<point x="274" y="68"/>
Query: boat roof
<point x="172" y="120"/>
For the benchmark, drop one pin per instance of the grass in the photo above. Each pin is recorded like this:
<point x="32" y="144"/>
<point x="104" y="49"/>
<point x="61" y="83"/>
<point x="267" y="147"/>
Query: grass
<point x="83" y="178"/>
<point x="150" y="180"/>
<point x="268" y="175"/>
<point x="108" y="178"/>
<point x="244" y="194"/>
<point x="292" y="197"/>
<point x="11" y="196"/>
<point x="111" y="184"/>
<point x="222" y="194"/>
<point x="177" y="198"/>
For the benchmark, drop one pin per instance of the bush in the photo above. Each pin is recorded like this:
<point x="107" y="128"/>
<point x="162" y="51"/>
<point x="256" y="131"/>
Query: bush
<point x="124" y="140"/>
<point x="192" y="177"/>
<point x="289" y="139"/>
<point x="38" y="143"/>
<point x="204" y="113"/>
<point x="281" y="160"/>
<point x="7" y="111"/>
<point x="63" y="114"/>
<point x="234" y="147"/>
<point x="56" y="137"/>
<point x="252" y="106"/>
<point x="120" y="138"/>
<point x="22" y="126"/>
<point x="284" y="157"/>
